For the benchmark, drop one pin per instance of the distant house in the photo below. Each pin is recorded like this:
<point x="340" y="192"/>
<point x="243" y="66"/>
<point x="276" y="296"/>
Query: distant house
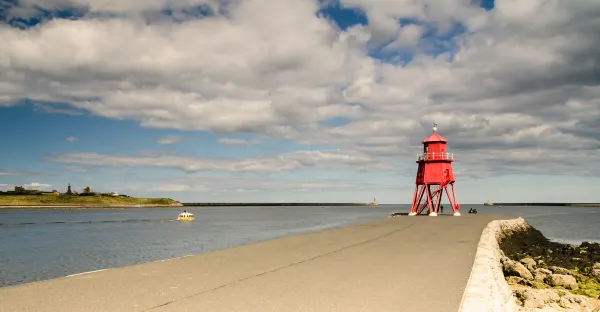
<point x="19" y="190"/>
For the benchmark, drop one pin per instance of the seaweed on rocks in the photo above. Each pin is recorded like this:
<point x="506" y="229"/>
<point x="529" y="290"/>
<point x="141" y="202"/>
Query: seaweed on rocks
<point x="532" y="243"/>
<point x="546" y="274"/>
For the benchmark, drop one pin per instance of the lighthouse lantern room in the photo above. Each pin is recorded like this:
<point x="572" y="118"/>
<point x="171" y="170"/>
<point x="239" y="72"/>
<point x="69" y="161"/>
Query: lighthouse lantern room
<point x="435" y="169"/>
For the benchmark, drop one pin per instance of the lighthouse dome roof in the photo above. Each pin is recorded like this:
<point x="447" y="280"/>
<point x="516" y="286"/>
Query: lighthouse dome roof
<point x="435" y="138"/>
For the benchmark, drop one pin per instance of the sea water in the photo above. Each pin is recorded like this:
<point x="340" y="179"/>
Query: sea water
<point x="42" y="244"/>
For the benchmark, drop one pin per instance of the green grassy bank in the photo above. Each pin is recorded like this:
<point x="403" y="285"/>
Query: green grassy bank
<point x="8" y="201"/>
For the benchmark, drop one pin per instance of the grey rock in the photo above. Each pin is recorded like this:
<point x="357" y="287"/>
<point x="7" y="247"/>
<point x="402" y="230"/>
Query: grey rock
<point x="541" y="274"/>
<point x="528" y="263"/>
<point x="551" y="300"/>
<point x="514" y="280"/>
<point x="513" y="268"/>
<point x="563" y="280"/>
<point x="559" y="270"/>
<point x="596" y="271"/>
<point x="537" y="285"/>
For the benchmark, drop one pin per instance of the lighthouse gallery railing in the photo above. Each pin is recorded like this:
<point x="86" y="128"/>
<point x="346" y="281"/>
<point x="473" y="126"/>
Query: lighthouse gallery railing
<point x="435" y="156"/>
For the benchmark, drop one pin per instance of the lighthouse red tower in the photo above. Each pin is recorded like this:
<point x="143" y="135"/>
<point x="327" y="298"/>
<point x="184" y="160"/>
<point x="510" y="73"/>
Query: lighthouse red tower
<point x="435" y="168"/>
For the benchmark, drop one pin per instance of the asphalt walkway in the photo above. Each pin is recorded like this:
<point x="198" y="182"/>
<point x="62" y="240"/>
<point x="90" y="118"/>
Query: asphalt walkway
<point x="400" y="264"/>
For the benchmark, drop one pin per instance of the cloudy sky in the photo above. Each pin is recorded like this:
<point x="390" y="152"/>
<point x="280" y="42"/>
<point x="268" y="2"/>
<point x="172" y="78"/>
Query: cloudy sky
<point x="300" y="100"/>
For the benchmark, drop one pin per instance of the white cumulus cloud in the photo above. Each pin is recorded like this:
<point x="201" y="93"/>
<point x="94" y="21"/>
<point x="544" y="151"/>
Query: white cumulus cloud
<point x="37" y="186"/>
<point x="272" y="163"/>
<point x="518" y="91"/>
<point x="233" y="141"/>
<point x="170" y="139"/>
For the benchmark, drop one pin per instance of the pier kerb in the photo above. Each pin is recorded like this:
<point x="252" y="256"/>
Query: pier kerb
<point x="486" y="290"/>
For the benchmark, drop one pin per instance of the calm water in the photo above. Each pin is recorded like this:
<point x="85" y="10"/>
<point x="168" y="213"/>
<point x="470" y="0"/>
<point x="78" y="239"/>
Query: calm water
<point x="42" y="244"/>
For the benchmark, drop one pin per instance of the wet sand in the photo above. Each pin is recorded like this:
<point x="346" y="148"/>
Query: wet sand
<point x="398" y="264"/>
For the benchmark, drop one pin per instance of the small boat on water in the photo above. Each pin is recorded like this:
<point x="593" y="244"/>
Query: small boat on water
<point x="488" y="203"/>
<point x="185" y="216"/>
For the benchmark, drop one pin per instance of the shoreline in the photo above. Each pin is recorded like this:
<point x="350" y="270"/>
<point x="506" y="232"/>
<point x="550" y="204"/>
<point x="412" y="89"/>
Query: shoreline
<point x="53" y="201"/>
<point x="273" y="204"/>
<point x="77" y="206"/>
<point x="547" y="204"/>
<point x="124" y="206"/>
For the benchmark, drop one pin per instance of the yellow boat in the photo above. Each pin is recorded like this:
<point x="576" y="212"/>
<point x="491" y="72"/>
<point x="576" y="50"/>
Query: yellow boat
<point x="185" y="216"/>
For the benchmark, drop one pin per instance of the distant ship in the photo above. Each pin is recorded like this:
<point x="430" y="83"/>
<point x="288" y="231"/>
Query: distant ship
<point x="488" y="203"/>
<point x="374" y="202"/>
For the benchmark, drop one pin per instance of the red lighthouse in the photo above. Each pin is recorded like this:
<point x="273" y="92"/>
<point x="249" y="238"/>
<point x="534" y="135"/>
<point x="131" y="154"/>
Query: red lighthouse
<point x="435" y="168"/>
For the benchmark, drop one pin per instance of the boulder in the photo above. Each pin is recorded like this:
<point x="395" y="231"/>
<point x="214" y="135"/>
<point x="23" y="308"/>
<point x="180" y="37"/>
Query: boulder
<point x="541" y="274"/>
<point x="580" y="277"/>
<point x="537" y="285"/>
<point x="528" y="263"/>
<point x="575" y="302"/>
<point x="514" y="280"/>
<point x="540" y="262"/>
<point x="513" y="268"/>
<point x="551" y="300"/>
<point x="536" y="298"/>
<point x="563" y="280"/>
<point x="559" y="270"/>
<point x="596" y="271"/>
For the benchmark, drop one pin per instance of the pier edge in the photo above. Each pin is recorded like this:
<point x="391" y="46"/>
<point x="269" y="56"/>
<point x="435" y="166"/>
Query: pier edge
<point x="487" y="289"/>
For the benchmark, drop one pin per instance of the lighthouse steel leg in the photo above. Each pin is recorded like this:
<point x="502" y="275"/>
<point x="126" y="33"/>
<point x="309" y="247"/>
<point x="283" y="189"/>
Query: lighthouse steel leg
<point x="439" y="201"/>
<point x="415" y="208"/>
<point x="450" y="199"/>
<point x="412" y="208"/>
<point x="455" y="208"/>
<point x="429" y="200"/>
<point x="424" y="202"/>
<point x="416" y="195"/>
<point x="431" y="204"/>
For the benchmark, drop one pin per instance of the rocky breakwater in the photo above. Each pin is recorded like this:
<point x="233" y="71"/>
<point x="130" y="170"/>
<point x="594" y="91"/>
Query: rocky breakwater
<point x="550" y="276"/>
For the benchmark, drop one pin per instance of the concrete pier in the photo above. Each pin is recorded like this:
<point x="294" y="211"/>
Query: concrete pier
<point x="398" y="264"/>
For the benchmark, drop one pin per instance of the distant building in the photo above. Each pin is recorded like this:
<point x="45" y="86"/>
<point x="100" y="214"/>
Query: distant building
<point x="19" y="190"/>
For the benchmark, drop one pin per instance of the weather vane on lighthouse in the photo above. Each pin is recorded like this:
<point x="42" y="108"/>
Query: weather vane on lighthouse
<point x="434" y="126"/>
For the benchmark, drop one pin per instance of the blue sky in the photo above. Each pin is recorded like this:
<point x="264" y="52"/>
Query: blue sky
<point x="296" y="126"/>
